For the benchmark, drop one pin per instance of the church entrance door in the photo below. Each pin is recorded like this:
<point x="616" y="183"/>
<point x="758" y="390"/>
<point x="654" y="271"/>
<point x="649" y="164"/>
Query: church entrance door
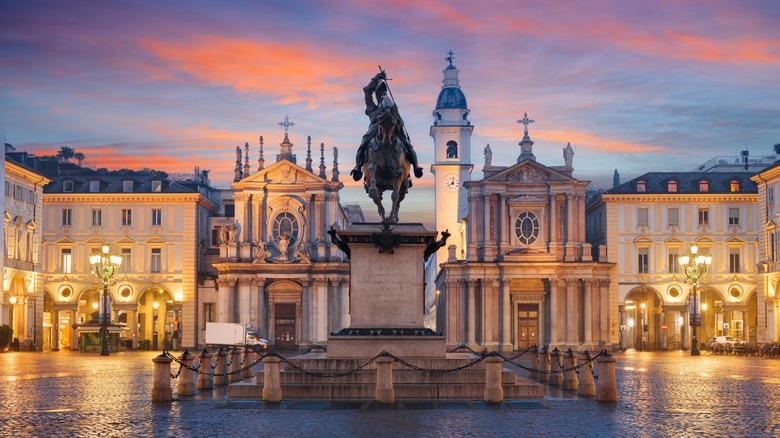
<point x="527" y="325"/>
<point x="284" y="325"/>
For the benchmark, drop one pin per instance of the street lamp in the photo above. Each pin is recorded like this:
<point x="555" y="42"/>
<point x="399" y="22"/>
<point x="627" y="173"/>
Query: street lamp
<point x="695" y="267"/>
<point x="106" y="268"/>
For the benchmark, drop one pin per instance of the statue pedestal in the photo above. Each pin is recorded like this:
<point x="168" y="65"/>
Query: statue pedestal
<point x="387" y="293"/>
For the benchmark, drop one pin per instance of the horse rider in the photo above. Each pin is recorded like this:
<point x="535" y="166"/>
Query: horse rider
<point x="377" y="86"/>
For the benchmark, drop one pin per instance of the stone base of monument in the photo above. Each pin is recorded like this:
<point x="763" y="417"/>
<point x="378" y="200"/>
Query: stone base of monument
<point x="387" y="307"/>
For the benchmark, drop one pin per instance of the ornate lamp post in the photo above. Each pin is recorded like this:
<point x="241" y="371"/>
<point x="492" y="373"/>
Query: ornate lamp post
<point x="695" y="267"/>
<point x="106" y="268"/>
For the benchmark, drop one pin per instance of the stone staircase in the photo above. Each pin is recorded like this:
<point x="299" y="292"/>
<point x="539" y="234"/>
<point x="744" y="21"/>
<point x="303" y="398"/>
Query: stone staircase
<point x="409" y="384"/>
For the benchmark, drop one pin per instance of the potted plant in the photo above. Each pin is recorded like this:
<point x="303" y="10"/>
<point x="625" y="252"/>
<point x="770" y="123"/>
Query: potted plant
<point x="6" y="335"/>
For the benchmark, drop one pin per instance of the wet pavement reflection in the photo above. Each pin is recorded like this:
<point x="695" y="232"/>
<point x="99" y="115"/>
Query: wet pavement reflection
<point x="661" y="394"/>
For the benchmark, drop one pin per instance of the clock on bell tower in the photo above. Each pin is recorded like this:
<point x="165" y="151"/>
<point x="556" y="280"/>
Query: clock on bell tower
<point x="451" y="132"/>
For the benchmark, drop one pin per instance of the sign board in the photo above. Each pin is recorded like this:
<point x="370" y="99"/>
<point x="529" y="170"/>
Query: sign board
<point x="663" y="327"/>
<point x="725" y="325"/>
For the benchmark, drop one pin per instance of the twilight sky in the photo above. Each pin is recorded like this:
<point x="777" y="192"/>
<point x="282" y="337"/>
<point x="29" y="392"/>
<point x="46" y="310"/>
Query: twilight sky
<point x="633" y="85"/>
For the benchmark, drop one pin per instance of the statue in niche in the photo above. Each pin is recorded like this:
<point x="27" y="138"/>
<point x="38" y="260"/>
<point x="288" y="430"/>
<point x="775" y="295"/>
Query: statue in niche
<point x="282" y="244"/>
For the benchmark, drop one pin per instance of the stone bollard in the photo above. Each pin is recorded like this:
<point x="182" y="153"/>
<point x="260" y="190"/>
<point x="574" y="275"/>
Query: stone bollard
<point x="249" y="357"/>
<point x="533" y="375"/>
<point x="607" y="390"/>
<point x="570" y="377"/>
<point x="272" y="386"/>
<point x="494" y="392"/>
<point x="186" y="384"/>
<point x="586" y="385"/>
<point x="235" y="365"/>
<point x="544" y="365"/>
<point x="161" y="387"/>
<point x="221" y="369"/>
<point x="205" y="379"/>
<point x="385" y="392"/>
<point x="556" y="379"/>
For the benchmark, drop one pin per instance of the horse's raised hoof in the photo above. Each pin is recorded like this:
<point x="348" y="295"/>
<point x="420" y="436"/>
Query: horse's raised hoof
<point x="356" y="173"/>
<point x="418" y="172"/>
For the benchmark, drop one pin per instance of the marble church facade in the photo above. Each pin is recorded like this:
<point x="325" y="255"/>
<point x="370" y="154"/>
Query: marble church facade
<point x="523" y="272"/>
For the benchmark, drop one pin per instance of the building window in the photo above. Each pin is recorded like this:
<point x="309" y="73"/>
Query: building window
<point x="704" y="186"/>
<point x="452" y="149"/>
<point x="641" y="217"/>
<point x="674" y="217"/>
<point x="209" y="313"/>
<point x="674" y="262"/>
<point x="734" y="186"/>
<point x="94" y="186"/>
<point x="671" y="186"/>
<point x="66" y="292"/>
<point x="127" y="259"/>
<point x="126" y="292"/>
<point x="734" y="261"/>
<point x="30" y="197"/>
<point x="286" y="223"/>
<point x="7" y="188"/>
<point x="733" y="216"/>
<point x="527" y="228"/>
<point x="156" y="261"/>
<point x="674" y="292"/>
<point x="67" y="217"/>
<point x="704" y="216"/>
<point x="67" y="261"/>
<point x="230" y="210"/>
<point x="97" y="217"/>
<point x="772" y="247"/>
<point x="641" y="186"/>
<point x="127" y="186"/>
<point x="215" y="237"/>
<point x="67" y="186"/>
<point x="642" y="257"/>
<point x="770" y="195"/>
<point x="127" y="217"/>
<point x="18" y="192"/>
<point x="156" y="186"/>
<point x="156" y="217"/>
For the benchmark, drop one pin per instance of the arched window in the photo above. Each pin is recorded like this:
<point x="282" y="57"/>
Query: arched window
<point x="452" y="149"/>
<point x="286" y="223"/>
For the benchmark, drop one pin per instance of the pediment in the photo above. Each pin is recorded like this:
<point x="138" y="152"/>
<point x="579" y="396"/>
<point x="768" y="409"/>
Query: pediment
<point x="282" y="172"/>
<point x="674" y="240"/>
<point x="528" y="171"/>
<point x="771" y="223"/>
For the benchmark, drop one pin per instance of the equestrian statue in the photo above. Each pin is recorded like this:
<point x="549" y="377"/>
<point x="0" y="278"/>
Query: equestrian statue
<point x="386" y="154"/>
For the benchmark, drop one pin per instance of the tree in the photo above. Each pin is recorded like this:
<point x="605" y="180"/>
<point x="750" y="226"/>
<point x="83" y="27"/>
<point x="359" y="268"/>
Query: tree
<point x="777" y="148"/>
<point x="66" y="153"/>
<point x="79" y="156"/>
<point x="6" y="335"/>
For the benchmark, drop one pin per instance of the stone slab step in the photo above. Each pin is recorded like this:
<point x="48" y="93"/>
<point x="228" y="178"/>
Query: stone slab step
<point x="401" y="376"/>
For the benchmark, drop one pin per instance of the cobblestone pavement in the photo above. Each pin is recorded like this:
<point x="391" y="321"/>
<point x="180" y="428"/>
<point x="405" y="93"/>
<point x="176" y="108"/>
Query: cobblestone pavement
<point x="661" y="394"/>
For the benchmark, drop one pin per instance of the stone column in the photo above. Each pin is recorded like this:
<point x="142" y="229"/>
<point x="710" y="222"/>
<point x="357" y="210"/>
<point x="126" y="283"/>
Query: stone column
<point x="257" y="212"/>
<point x="451" y="328"/>
<point x="244" y="293"/>
<point x="55" y="325"/>
<point x="307" y="319"/>
<point x="506" y="311"/>
<point x="223" y="297"/>
<point x="74" y="340"/>
<point x="345" y="319"/>
<point x="605" y="313"/>
<point x="134" y="329"/>
<point x="587" y="311"/>
<point x="555" y="316"/>
<point x="319" y="226"/>
<point x="321" y="310"/>
<point x="572" y="312"/>
<point x="472" y="317"/>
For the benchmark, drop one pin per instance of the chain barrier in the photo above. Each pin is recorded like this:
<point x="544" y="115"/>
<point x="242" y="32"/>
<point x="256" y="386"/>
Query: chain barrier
<point x="560" y="371"/>
<point x="197" y="369"/>
<point x="403" y="362"/>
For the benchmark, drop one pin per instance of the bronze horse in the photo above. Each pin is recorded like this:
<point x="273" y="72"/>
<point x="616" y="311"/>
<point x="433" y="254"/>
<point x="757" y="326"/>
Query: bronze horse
<point x="387" y="167"/>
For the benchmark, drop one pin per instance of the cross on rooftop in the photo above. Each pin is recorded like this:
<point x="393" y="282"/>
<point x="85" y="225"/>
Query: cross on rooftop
<point x="450" y="56"/>
<point x="525" y="121"/>
<point x="286" y="123"/>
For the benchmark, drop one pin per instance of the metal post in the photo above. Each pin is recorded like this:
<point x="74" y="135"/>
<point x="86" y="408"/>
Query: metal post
<point x="104" y="322"/>
<point x="695" y="322"/>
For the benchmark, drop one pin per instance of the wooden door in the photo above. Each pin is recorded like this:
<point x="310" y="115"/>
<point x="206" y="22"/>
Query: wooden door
<point x="284" y="326"/>
<point x="527" y="325"/>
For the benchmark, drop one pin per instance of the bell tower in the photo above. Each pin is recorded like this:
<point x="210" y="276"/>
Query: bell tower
<point x="451" y="132"/>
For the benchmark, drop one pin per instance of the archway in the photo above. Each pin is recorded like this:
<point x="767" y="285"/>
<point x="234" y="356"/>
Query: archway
<point x="642" y="319"/>
<point x="20" y="315"/>
<point x="156" y="317"/>
<point x="712" y="316"/>
<point x="48" y="321"/>
<point x="751" y="324"/>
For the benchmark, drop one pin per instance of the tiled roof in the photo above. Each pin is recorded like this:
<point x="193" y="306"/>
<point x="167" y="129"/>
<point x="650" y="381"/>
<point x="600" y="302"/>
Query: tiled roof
<point x="142" y="183"/>
<point x="688" y="182"/>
